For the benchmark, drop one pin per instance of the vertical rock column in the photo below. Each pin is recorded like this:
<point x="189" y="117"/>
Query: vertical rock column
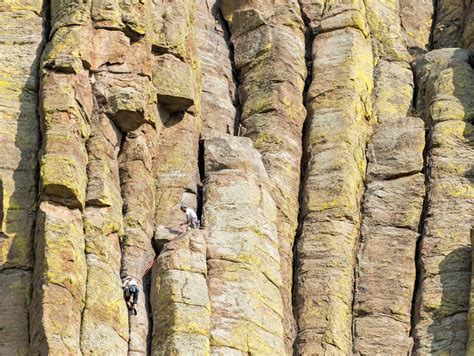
<point x="176" y="74"/>
<point x="417" y="19"/>
<point x="175" y="167"/>
<point x="22" y="38"/>
<point x="269" y="56"/>
<point x="446" y="83"/>
<point x="124" y="100"/>
<point x="242" y="251"/>
<point x="181" y="309"/>
<point x="386" y="272"/>
<point x="66" y="110"/>
<point x="104" y="321"/>
<point x="338" y="127"/>
<point x="138" y="189"/>
<point x="125" y="119"/>
<point x="218" y="88"/>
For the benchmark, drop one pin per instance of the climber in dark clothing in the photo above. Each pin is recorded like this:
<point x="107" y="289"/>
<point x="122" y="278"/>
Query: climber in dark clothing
<point x="130" y="291"/>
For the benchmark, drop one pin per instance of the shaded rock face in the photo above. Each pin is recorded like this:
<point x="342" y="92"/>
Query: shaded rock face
<point x="327" y="147"/>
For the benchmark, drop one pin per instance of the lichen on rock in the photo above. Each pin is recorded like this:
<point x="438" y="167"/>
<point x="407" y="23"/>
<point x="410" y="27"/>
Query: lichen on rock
<point x="326" y="147"/>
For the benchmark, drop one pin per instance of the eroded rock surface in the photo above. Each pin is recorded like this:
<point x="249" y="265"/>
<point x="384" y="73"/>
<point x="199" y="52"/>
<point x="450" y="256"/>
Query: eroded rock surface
<point x="242" y="251"/>
<point x="180" y="297"/>
<point x="338" y="127"/>
<point x="446" y="98"/>
<point x="22" y="39"/>
<point x="218" y="99"/>
<point x="269" y="57"/>
<point x="386" y="271"/>
<point x="340" y="224"/>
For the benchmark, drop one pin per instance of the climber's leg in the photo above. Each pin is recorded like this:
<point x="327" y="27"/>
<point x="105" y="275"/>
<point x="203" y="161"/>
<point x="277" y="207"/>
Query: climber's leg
<point x="134" y="291"/>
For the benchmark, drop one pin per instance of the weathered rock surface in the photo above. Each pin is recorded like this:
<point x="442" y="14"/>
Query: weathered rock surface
<point x="358" y="148"/>
<point x="269" y="57"/>
<point x="338" y="125"/>
<point x="21" y="43"/>
<point x="389" y="232"/>
<point x="446" y="87"/>
<point x="468" y="31"/>
<point x="180" y="300"/>
<point x="218" y="88"/>
<point x="417" y="19"/>
<point x="449" y="23"/>
<point x="14" y="337"/>
<point x="242" y="251"/>
<point x="104" y="320"/>
<point x="138" y="195"/>
<point x="59" y="284"/>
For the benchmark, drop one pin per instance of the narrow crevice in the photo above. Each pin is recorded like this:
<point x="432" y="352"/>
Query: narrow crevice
<point x="358" y="249"/>
<point x="421" y="227"/>
<point x="433" y="25"/>
<point x="219" y="17"/>
<point x="146" y="280"/>
<point x="309" y="38"/>
<point x="417" y="109"/>
<point x="46" y="14"/>
<point x="46" y="11"/>
<point x="200" y="188"/>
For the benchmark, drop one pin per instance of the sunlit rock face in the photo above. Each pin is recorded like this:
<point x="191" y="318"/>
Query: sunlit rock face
<point x="327" y="147"/>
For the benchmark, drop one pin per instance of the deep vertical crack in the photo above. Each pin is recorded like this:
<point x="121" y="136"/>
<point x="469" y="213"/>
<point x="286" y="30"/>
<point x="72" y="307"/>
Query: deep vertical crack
<point x="219" y="17"/>
<point x="309" y="38"/>
<point x="199" y="210"/>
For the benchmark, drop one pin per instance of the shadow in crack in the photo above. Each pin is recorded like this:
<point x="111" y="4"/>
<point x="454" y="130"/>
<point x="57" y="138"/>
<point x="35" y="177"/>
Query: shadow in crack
<point x="466" y="96"/>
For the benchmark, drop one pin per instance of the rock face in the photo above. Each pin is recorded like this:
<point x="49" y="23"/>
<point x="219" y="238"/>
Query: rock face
<point x="442" y="301"/>
<point x="326" y="146"/>
<point x="218" y="98"/>
<point x="269" y="57"/>
<point x="384" y="290"/>
<point x="22" y="38"/>
<point x="180" y="297"/>
<point x="338" y="126"/>
<point x="242" y="251"/>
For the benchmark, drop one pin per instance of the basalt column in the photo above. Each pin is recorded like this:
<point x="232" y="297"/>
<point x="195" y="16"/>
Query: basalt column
<point x="175" y="76"/>
<point x="386" y="271"/>
<point x="22" y="38"/>
<point x="181" y="313"/>
<point x="445" y="97"/>
<point x="337" y="130"/>
<point x="66" y="112"/>
<point x="125" y="94"/>
<point x="218" y="88"/>
<point x="104" y="320"/>
<point x="124" y="108"/>
<point x="243" y="261"/>
<point x="269" y="55"/>
<point x="416" y="18"/>
<point x="137" y="185"/>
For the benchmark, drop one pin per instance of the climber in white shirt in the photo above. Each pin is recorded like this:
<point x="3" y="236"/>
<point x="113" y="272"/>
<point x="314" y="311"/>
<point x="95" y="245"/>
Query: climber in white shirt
<point x="191" y="217"/>
<point x="130" y="289"/>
